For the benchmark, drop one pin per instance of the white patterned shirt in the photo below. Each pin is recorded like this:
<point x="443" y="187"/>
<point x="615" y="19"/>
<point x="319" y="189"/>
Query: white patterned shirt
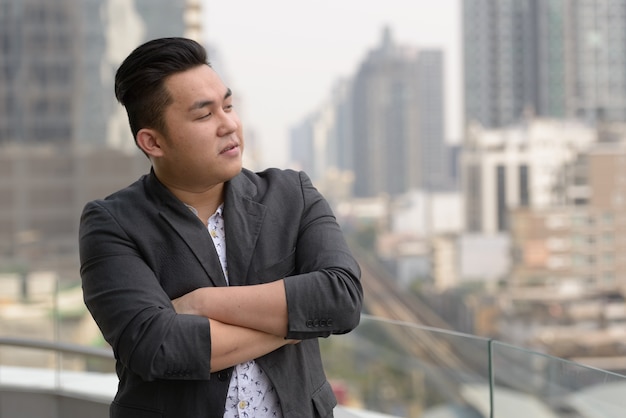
<point x="250" y="393"/>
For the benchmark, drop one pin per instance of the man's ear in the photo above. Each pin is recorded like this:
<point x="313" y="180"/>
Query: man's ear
<point x="149" y="141"/>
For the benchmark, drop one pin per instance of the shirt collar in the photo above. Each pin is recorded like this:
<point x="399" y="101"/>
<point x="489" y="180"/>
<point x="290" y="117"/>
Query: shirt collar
<point x="219" y="211"/>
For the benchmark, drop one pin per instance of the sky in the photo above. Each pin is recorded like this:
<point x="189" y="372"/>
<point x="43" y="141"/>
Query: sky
<point x="282" y="58"/>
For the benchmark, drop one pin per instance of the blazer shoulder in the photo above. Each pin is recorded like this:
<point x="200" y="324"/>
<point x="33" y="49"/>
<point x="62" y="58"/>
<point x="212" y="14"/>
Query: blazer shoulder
<point x="126" y="200"/>
<point x="276" y="177"/>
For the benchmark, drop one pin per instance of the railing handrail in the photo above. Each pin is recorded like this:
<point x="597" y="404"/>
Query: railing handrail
<point x="57" y="346"/>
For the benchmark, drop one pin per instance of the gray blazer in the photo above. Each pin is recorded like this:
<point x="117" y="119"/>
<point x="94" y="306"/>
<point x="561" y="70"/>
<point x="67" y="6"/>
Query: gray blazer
<point x="142" y="247"/>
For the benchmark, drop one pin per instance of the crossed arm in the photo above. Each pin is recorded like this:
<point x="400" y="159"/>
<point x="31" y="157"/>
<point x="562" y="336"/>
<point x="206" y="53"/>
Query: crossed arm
<point x="126" y="286"/>
<point x="246" y="321"/>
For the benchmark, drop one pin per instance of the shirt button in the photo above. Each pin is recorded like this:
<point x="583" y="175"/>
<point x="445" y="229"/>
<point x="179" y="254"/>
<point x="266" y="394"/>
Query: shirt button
<point x="243" y="404"/>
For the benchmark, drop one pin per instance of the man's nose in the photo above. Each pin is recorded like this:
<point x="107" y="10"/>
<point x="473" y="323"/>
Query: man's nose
<point x="228" y="123"/>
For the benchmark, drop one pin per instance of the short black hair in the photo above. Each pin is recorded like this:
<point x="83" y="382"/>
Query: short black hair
<point x="140" y="79"/>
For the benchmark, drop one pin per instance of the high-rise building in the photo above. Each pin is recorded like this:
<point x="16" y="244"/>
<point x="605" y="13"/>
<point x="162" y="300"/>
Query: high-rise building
<point x="494" y="51"/>
<point x="58" y="58"/>
<point x="556" y="58"/>
<point x="397" y="120"/>
<point x="433" y="162"/>
<point x="384" y="126"/>
<point x="58" y="111"/>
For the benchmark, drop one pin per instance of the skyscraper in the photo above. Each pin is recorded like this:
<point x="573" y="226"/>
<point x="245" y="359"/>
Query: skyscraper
<point x="397" y="120"/>
<point x="598" y="64"/>
<point x="57" y="60"/>
<point x="430" y="105"/>
<point x="551" y="58"/>
<point x="57" y="111"/>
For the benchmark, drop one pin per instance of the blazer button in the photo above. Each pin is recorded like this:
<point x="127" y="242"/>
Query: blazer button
<point x="222" y="376"/>
<point x="309" y="323"/>
<point x="329" y="323"/>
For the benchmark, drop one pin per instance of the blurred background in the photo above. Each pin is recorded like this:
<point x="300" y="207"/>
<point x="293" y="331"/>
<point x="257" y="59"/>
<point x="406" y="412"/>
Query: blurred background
<point x="472" y="150"/>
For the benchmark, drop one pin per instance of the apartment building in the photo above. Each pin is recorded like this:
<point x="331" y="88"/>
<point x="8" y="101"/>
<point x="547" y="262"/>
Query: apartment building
<point x="518" y="166"/>
<point x="556" y="59"/>
<point x="583" y="241"/>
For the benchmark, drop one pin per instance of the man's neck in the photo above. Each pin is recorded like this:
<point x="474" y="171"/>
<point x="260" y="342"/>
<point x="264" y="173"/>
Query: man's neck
<point x="204" y="202"/>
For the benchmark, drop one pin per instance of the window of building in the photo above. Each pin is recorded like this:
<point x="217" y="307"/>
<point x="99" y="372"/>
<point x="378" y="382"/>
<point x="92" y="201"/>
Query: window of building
<point x="556" y="244"/>
<point x="474" y="198"/>
<point x="501" y="209"/>
<point x="578" y="260"/>
<point x="556" y="222"/>
<point x="608" y="278"/>
<point x="556" y="263"/>
<point x="608" y="259"/>
<point x="579" y="241"/>
<point x="524" y="190"/>
<point x="580" y="220"/>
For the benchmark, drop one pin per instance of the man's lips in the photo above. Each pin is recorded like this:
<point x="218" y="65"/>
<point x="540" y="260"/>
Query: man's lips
<point x="228" y="148"/>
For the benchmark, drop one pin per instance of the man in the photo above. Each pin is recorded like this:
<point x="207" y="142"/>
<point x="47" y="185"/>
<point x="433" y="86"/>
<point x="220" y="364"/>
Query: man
<point x="210" y="282"/>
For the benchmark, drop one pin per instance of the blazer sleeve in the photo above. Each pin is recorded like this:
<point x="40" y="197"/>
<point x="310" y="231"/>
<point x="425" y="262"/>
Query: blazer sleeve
<point x="325" y="296"/>
<point x="130" y="307"/>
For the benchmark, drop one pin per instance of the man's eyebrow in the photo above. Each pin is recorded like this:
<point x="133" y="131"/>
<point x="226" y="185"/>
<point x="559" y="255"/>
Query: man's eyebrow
<point x="206" y="103"/>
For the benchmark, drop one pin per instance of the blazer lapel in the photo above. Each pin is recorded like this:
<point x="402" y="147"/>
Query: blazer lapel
<point x="190" y="229"/>
<point x="243" y="218"/>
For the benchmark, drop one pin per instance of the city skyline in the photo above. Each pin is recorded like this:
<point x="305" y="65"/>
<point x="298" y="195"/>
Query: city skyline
<point x="284" y="66"/>
<point x="533" y="229"/>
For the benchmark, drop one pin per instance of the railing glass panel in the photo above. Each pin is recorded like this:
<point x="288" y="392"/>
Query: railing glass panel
<point x="407" y="371"/>
<point x="546" y="386"/>
<point x="385" y="367"/>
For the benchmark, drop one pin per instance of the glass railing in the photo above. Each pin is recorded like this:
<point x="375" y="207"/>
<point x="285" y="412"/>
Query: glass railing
<point x="383" y="368"/>
<point x="405" y="370"/>
<point x="551" y="387"/>
<point x="37" y="365"/>
<point x="48" y="340"/>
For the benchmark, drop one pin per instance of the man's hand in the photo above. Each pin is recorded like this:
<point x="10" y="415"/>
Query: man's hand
<point x="187" y="304"/>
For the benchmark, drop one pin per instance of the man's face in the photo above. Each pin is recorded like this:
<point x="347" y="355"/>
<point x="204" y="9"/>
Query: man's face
<point x="203" y="144"/>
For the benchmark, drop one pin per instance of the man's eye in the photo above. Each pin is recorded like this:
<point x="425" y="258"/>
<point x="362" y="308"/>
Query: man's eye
<point x="228" y="108"/>
<point x="205" y="116"/>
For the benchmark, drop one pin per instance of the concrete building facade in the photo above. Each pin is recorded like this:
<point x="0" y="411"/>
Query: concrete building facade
<point x="581" y="242"/>
<point x="520" y="166"/>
